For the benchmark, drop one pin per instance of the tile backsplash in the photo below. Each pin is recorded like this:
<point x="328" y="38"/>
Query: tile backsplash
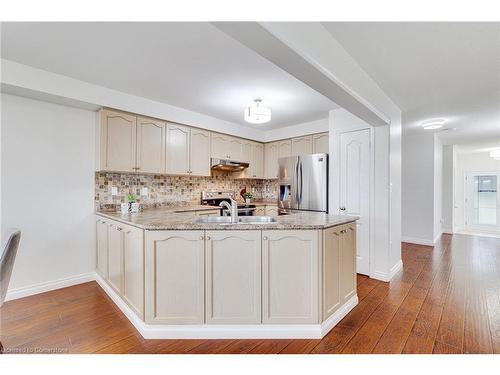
<point x="172" y="190"/>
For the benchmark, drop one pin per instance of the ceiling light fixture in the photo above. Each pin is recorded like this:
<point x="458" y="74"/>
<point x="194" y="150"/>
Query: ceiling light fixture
<point x="257" y="114"/>
<point x="433" y="124"/>
<point x="495" y="154"/>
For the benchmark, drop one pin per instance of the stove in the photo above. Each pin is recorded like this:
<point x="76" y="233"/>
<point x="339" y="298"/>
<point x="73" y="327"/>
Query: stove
<point x="214" y="198"/>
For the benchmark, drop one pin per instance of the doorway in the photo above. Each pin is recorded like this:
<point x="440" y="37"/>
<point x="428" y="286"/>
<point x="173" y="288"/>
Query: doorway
<point x="482" y="201"/>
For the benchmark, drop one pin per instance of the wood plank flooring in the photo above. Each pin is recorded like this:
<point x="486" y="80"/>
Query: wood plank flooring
<point x="446" y="300"/>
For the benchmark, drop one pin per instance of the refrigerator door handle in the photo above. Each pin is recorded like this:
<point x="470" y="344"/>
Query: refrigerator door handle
<point x="296" y="183"/>
<point x="301" y="181"/>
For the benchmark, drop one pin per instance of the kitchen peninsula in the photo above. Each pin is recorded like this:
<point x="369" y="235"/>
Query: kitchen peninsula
<point x="179" y="275"/>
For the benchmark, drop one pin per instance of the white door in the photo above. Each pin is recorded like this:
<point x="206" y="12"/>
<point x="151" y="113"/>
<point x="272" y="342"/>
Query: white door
<point x="482" y="201"/>
<point x="355" y="189"/>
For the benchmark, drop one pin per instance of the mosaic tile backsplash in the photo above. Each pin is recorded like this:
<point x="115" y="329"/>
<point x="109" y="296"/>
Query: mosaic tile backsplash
<point x="172" y="190"/>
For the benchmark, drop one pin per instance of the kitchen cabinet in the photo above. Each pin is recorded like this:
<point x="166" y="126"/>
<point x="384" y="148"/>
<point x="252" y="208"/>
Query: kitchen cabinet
<point x="102" y="247"/>
<point x="285" y="148"/>
<point x="133" y="268"/>
<point x="115" y="256"/>
<point x="332" y="244"/>
<point x="258" y="160"/>
<point x="150" y="145"/>
<point x="233" y="277"/>
<point x="175" y="277"/>
<point x="271" y="155"/>
<point x="290" y="276"/>
<point x="226" y="147"/>
<point x="117" y="141"/>
<point x="348" y="262"/>
<point x="188" y="151"/>
<point x="177" y="157"/>
<point x="302" y="145"/>
<point x="199" y="152"/>
<point x="320" y="143"/>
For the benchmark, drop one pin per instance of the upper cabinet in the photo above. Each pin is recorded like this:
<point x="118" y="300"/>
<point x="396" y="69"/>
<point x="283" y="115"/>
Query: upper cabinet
<point x="177" y="149"/>
<point x="227" y="147"/>
<point x="253" y="154"/>
<point x="199" y="152"/>
<point x="271" y="152"/>
<point x="118" y="135"/>
<point x="150" y="145"/>
<point x="320" y="143"/>
<point x="284" y="148"/>
<point x="302" y="145"/>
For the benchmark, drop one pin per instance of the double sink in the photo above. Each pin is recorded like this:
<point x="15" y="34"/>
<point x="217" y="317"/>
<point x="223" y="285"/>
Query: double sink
<point x="241" y="220"/>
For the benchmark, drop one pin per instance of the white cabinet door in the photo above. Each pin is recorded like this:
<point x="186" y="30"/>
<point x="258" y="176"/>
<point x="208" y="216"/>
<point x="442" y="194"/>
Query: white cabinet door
<point x="354" y="189"/>
<point x="115" y="256"/>
<point x="150" y="145"/>
<point x="271" y="155"/>
<point x="258" y="160"/>
<point x="220" y="146"/>
<point x="133" y="268"/>
<point x="320" y="143"/>
<point x="235" y="149"/>
<point x="302" y="145"/>
<point x="348" y="259"/>
<point x="175" y="277"/>
<point x="177" y="158"/>
<point x="332" y="244"/>
<point x="199" y="152"/>
<point x="233" y="277"/>
<point x="118" y="141"/>
<point x="290" y="277"/>
<point x="102" y="247"/>
<point x="284" y="148"/>
<point x="247" y="156"/>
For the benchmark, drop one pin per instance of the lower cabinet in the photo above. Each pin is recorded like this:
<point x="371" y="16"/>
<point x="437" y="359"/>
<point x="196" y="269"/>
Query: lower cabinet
<point x="126" y="264"/>
<point x="233" y="277"/>
<point x="175" y="277"/>
<point x="348" y="262"/>
<point x="290" y="276"/>
<point x="332" y="244"/>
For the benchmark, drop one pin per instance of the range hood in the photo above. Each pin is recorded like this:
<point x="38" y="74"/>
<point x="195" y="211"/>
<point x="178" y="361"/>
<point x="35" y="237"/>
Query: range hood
<point x="228" y="165"/>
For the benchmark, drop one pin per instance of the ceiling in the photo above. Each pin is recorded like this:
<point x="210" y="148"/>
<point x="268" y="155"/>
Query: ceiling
<point x="190" y="65"/>
<point x="433" y="70"/>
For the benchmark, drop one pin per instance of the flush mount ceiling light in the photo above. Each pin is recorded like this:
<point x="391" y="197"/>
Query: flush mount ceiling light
<point x="495" y="154"/>
<point x="257" y="114"/>
<point x="433" y="124"/>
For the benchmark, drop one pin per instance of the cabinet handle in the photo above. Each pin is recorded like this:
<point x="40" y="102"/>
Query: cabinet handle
<point x="202" y="238"/>
<point x="208" y="238"/>
<point x="119" y="229"/>
<point x="343" y="231"/>
<point x="265" y="238"/>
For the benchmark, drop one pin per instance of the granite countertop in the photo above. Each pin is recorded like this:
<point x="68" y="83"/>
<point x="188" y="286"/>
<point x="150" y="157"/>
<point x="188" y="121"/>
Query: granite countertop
<point x="166" y="219"/>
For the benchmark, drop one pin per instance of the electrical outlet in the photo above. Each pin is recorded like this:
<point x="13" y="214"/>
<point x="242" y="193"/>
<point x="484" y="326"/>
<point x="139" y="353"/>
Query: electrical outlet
<point x="114" y="190"/>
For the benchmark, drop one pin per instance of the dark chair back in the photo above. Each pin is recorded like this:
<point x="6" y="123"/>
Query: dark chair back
<point x="10" y="241"/>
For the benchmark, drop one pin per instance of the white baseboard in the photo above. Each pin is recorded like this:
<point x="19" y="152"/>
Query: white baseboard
<point x="418" y="241"/>
<point x="387" y="276"/>
<point x="48" y="286"/>
<point x="396" y="268"/>
<point x="228" y="331"/>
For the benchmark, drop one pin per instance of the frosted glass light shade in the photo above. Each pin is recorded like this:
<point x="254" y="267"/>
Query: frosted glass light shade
<point x="257" y="114"/>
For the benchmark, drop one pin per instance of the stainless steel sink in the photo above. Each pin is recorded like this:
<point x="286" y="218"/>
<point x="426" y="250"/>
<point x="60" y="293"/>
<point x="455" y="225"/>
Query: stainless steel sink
<point x="241" y="220"/>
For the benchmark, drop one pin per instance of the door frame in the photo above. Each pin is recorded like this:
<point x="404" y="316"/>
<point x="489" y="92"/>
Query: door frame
<point x="335" y="173"/>
<point x="467" y="211"/>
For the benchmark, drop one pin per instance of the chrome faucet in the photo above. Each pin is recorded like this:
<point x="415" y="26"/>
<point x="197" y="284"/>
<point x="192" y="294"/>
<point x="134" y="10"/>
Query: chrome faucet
<point x="233" y="209"/>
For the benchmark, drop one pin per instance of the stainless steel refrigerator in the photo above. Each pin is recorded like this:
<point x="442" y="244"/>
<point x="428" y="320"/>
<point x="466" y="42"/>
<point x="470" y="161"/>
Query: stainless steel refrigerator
<point x="303" y="183"/>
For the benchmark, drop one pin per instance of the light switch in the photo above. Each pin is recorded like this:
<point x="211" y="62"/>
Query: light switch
<point x="114" y="190"/>
<point x="144" y="192"/>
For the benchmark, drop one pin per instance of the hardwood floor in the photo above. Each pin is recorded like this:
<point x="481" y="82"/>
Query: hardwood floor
<point x="446" y="300"/>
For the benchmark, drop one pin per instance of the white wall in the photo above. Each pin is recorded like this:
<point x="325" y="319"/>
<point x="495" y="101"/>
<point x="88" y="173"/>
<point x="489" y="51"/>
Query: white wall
<point x="418" y="188"/>
<point x="448" y="193"/>
<point x="48" y="188"/>
<point x="438" y="188"/>
<point x="469" y="162"/>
